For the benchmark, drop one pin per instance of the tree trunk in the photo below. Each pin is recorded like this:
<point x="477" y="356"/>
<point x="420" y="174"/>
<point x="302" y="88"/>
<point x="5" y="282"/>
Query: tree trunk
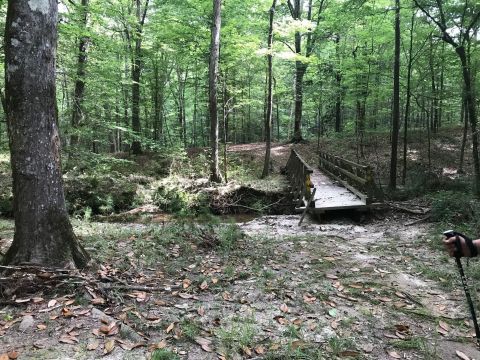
<point x="136" y="74"/>
<point x="472" y="113"/>
<point x="43" y="233"/>
<point x="338" y="82"/>
<point x="464" y="119"/>
<point x="407" y="100"/>
<point x="77" y="114"/>
<point x="215" y="175"/>
<point x="136" y="126"/>
<point x="396" y="101"/>
<point x="300" y="69"/>
<point x="268" y="117"/>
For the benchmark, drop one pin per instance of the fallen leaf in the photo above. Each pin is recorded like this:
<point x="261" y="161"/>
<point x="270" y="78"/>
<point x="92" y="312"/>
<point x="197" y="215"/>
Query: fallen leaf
<point x="247" y="351"/>
<point x="284" y="308"/>
<point x="93" y="345"/>
<point x="259" y="349"/>
<point x="349" y="353"/>
<point x="309" y="299"/>
<point x="20" y="301"/>
<point x="368" y="348"/>
<point x="66" y="312"/>
<point x="4" y="357"/>
<point x="461" y="355"/>
<point x="160" y="345"/>
<point x="227" y="296"/>
<point x="297" y="344"/>
<point x="331" y="276"/>
<point x="297" y="321"/>
<point x="186" y="283"/>
<point x="384" y="299"/>
<point x="201" y="311"/>
<point x="52" y="303"/>
<point x="394" y="355"/>
<point x="97" y="301"/>
<point x="204" y="285"/>
<point x="204" y="343"/>
<point x="334" y="324"/>
<point x="170" y="327"/>
<point x="281" y="320"/>
<point x="67" y="339"/>
<point x="109" y="346"/>
<point x="444" y="325"/>
<point x="41" y="326"/>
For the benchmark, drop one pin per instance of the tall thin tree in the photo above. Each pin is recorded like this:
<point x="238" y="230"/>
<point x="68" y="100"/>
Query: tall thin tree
<point x="268" y="115"/>
<point x="215" y="174"/>
<point x="396" y="101"/>
<point x="79" y="93"/>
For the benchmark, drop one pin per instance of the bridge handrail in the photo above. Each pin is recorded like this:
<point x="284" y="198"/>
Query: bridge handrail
<point x="357" y="177"/>
<point x="298" y="172"/>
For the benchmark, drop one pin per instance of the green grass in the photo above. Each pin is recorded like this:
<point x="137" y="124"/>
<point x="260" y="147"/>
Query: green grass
<point x="164" y="354"/>
<point x="238" y="334"/>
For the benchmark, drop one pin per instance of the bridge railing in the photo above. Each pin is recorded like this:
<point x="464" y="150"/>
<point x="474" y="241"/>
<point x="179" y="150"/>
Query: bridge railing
<point x="298" y="172"/>
<point x="356" y="177"/>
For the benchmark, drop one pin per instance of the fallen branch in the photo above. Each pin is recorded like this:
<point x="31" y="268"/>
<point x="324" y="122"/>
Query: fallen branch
<point x="411" y="211"/>
<point x="419" y="220"/>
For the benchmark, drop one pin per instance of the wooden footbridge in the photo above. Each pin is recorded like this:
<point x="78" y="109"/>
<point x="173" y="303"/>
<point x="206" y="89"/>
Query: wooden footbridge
<point x="337" y="184"/>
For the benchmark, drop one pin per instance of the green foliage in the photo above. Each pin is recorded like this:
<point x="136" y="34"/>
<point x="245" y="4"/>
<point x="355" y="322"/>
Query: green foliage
<point x="102" y="194"/>
<point x="228" y="235"/>
<point x="164" y="354"/>
<point x="173" y="198"/>
<point x="456" y="207"/>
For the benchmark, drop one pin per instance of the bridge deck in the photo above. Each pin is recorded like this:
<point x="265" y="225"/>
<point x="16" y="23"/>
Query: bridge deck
<point x="331" y="195"/>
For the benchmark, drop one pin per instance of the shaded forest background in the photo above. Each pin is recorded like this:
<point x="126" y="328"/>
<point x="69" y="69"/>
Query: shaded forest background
<point x="137" y="71"/>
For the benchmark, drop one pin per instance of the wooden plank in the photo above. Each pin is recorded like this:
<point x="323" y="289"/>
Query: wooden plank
<point x="312" y="196"/>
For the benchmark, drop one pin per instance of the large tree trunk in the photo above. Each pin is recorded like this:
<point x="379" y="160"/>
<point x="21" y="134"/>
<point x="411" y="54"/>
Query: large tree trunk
<point x="396" y="101"/>
<point x="212" y="101"/>
<point x="43" y="233"/>
<point x="268" y="117"/>
<point x="78" y="115"/>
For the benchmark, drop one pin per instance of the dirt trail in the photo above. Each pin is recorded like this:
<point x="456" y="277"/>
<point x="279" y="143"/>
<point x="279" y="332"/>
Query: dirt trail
<point x="376" y="271"/>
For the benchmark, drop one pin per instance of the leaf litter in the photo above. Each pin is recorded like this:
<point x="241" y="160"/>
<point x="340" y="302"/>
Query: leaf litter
<point x="280" y="289"/>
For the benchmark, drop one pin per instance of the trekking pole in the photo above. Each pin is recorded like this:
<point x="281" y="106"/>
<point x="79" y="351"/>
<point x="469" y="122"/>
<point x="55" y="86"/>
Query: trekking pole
<point x="457" y="254"/>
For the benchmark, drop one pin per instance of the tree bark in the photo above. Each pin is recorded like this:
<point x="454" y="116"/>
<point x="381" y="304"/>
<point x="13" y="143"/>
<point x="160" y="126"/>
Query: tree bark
<point x="136" y="74"/>
<point x="215" y="175"/>
<point x="79" y="93"/>
<point x="408" y="96"/>
<point x="43" y="233"/>
<point x="472" y="113"/>
<point x="268" y="117"/>
<point x="396" y="101"/>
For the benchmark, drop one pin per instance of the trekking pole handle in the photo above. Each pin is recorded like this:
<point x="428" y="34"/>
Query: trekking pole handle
<point x="458" y="246"/>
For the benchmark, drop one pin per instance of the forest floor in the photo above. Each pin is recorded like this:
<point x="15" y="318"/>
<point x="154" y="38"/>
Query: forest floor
<point x="372" y="286"/>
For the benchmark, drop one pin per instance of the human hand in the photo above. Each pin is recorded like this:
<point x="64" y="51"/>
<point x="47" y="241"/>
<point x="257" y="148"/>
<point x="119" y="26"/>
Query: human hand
<point x="456" y="246"/>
